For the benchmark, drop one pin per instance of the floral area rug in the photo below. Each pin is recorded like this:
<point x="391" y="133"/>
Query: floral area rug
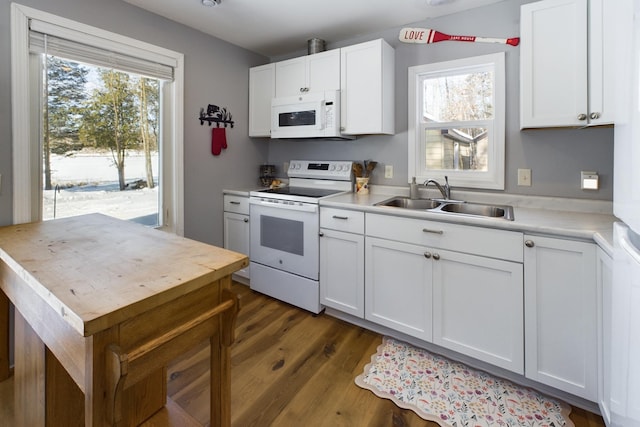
<point x="452" y="394"/>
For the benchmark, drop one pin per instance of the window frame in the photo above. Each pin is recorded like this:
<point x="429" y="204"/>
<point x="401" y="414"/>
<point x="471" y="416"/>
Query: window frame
<point x="493" y="178"/>
<point x="26" y="142"/>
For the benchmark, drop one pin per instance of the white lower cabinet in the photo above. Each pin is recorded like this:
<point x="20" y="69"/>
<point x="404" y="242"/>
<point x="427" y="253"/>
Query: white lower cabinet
<point x="236" y="228"/>
<point x="538" y="306"/>
<point x="477" y="308"/>
<point x="398" y="286"/>
<point x="465" y="302"/>
<point x="342" y="260"/>
<point x="561" y="314"/>
<point x="342" y="271"/>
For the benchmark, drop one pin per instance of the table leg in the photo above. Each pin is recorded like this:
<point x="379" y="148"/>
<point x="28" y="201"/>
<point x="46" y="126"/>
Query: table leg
<point x="220" y="383"/>
<point x="4" y="337"/>
<point x="29" y="375"/>
<point x="221" y="358"/>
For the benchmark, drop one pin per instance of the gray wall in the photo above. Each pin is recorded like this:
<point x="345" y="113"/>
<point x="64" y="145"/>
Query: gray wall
<point x="555" y="156"/>
<point x="216" y="72"/>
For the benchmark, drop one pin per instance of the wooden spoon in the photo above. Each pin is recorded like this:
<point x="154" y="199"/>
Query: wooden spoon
<point x="357" y="169"/>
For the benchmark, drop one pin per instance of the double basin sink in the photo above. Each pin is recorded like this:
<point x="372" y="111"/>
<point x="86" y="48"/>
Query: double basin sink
<point x="457" y="207"/>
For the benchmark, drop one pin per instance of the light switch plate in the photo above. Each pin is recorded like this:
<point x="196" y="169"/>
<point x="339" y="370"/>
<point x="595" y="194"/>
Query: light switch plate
<point x="388" y="171"/>
<point x="524" y="177"/>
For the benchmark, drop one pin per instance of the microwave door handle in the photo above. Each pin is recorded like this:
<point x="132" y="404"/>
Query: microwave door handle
<point x="321" y="123"/>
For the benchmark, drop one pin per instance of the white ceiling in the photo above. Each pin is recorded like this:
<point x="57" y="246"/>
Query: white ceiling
<point x="279" y="27"/>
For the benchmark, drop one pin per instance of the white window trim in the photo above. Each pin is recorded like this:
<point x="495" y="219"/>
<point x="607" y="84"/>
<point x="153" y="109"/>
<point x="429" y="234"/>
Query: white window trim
<point x="492" y="179"/>
<point x="25" y="180"/>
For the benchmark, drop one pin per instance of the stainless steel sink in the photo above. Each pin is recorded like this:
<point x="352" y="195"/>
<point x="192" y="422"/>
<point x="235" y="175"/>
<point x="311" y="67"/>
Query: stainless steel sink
<point x="450" y="207"/>
<point x="406" y="203"/>
<point x="478" y="209"/>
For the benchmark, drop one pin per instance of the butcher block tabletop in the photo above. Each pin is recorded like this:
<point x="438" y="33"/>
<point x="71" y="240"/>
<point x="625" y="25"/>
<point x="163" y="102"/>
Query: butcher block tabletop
<point x="96" y="271"/>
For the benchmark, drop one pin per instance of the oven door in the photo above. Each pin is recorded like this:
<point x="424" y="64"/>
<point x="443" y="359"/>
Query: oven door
<point x="284" y="236"/>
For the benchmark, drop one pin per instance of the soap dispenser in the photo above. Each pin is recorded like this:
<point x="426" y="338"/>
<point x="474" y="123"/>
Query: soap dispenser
<point x="413" y="189"/>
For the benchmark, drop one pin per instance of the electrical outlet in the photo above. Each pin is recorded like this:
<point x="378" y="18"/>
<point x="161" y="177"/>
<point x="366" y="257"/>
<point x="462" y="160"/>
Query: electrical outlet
<point x="285" y="168"/>
<point x="524" y="177"/>
<point x="388" y="171"/>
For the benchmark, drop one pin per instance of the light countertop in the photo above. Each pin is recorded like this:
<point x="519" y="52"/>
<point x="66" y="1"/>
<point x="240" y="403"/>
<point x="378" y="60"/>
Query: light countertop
<point x="568" y="218"/>
<point x="581" y="219"/>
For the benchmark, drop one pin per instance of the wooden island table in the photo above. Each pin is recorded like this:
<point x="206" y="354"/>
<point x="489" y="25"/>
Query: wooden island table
<point x="102" y="306"/>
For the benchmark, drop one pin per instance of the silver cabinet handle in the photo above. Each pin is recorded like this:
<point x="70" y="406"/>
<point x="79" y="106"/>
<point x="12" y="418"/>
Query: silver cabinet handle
<point x="340" y="217"/>
<point x="233" y="202"/>
<point x="426" y="230"/>
<point x="436" y="256"/>
<point x="246" y="220"/>
<point x="529" y="243"/>
<point x="321" y="234"/>
<point x="594" y="116"/>
<point x="582" y="116"/>
<point x="427" y="255"/>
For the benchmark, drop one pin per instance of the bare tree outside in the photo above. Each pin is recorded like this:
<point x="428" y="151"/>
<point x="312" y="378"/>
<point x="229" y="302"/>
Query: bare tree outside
<point x="454" y="109"/>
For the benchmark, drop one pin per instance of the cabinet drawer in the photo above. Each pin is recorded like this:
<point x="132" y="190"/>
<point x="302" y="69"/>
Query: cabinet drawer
<point x="237" y="204"/>
<point x="487" y="242"/>
<point x="342" y="220"/>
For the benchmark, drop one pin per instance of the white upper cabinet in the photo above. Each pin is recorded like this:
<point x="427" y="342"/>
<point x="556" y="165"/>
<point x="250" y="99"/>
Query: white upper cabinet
<point x="368" y="88"/>
<point x="262" y="88"/>
<point x="363" y="73"/>
<point x="311" y="73"/>
<point x="565" y="74"/>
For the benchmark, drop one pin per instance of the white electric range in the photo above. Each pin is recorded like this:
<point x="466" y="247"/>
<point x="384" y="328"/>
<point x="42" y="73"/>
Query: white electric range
<point x="285" y="226"/>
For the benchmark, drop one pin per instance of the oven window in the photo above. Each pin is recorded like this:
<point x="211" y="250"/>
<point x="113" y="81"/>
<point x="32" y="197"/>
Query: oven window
<point x="284" y="235"/>
<point x="297" y="118"/>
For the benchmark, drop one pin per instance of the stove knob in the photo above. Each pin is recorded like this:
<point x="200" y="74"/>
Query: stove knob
<point x="333" y="167"/>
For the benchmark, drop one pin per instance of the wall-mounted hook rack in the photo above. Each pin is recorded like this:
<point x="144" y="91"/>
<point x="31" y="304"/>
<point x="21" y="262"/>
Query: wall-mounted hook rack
<point x="217" y="115"/>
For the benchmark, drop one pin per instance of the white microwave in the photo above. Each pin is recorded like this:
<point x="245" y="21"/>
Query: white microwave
<point x="309" y="115"/>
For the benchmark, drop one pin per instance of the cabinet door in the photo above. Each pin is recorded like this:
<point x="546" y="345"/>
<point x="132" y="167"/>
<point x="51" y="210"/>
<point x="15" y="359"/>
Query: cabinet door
<point x="262" y="87"/>
<point x="602" y="61"/>
<point x="398" y="286"/>
<point x="477" y="308"/>
<point x="323" y="71"/>
<point x="367" y="88"/>
<point x="236" y="236"/>
<point x="561" y="314"/>
<point x="312" y="73"/>
<point x="291" y="77"/>
<point x="342" y="271"/>
<point x="553" y="63"/>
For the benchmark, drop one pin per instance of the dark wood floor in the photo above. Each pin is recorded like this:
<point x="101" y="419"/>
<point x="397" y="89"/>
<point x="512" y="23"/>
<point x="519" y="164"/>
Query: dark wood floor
<point x="289" y="368"/>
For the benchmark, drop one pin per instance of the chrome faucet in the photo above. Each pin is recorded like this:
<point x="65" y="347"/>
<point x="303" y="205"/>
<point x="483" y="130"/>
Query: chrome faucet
<point x="445" y="191"/>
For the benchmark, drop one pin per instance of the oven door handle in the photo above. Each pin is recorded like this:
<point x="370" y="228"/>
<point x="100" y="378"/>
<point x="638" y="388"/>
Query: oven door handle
<point x="297" y="207"/>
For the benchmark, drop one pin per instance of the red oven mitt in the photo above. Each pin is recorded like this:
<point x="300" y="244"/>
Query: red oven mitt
<point x="218" y="140"/>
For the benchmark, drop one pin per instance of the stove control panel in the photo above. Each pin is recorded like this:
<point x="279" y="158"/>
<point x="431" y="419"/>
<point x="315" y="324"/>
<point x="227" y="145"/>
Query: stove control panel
<point x="332" y="169"/>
